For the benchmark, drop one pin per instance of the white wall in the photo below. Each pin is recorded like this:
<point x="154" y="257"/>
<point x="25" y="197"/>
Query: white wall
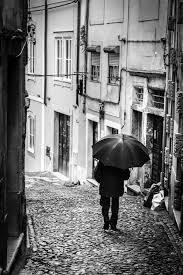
<point x="61" y="96"/>
<point x="35" y="88"/>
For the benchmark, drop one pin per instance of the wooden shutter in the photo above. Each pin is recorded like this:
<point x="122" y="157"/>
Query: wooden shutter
<point x="95" y="59"/>
<point x="148" y="10"/>
<point x="113" y="59"/>
<point x="114" y="11"/>
<point x="97" y="8"/>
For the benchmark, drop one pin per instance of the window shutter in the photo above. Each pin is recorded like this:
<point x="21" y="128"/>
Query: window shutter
<point x="113" y="59"/>
<point x="95" y="59"/>
<point x="149" y="10"/>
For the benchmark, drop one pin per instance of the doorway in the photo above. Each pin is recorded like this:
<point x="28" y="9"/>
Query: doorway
<point x="92" y="139"/>
<point x="64" y="144"/>
<point x="157" y="122"/>
<point x="95" y="139"/>
<point x="61" y="143"/>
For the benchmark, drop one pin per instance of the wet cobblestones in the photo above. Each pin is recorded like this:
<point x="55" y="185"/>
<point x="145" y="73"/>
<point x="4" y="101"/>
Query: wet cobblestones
<point x="69" y="238"/>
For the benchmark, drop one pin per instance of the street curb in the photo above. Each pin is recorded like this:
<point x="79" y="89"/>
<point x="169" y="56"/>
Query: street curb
<point x="174" y="238"/>
<point x="93" y="182"/>
<point x="32" y="244"/>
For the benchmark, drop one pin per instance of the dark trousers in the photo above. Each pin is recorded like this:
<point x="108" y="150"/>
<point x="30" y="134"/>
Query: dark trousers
<point x="105" y="203"/>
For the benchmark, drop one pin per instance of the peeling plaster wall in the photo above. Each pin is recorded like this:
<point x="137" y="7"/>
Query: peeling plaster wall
<point x="135" y="56"/>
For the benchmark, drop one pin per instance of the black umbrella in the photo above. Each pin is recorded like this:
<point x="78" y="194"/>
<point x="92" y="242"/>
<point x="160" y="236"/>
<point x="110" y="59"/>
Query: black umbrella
<point x="121" y="151"/>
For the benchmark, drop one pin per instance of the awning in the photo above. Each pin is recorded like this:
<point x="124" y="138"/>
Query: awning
<point x="95" y="49"/>
<point x="112" y="49"/>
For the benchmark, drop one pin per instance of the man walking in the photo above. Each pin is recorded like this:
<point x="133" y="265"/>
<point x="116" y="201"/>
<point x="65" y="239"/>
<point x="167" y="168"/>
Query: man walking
<point x="111" y="187"/>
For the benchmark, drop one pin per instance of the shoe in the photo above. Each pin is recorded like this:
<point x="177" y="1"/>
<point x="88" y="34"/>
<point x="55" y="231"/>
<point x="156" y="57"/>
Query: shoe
<point x="113" y="227"/>
<point x="106" y="225"/>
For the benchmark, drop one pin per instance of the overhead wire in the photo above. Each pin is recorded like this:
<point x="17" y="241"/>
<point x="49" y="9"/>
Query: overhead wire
<point x="22" y="49"/>
<point x="50" y="4"/>
<point x="74" y="1"/>
<point x="49" y="8"/>
<point x="55" y="75"/>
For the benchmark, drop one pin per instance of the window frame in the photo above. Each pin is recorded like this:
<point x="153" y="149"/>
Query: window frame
<point x="65" y="58"/>
<point x="115" y="79"/>
<point x="95" y="69"/>
<point x="31" y="56"/>
<point x="31" y="133"/>
<point x="114" y="19"/>
<point x="143" y="17"/>
<point x="137" y="120"/>
<point x="138" y="95"/>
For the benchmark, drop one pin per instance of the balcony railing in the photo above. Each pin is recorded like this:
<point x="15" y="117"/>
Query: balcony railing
<point x="157" y="99"/>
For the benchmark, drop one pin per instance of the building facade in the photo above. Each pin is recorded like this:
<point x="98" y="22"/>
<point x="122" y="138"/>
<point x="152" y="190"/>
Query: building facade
<point x="13" y="23"/>
<point x="52" y="125"/>
<point x="100" y="61"/>
<point x="103" y="67"/>
<point x="124" y="79"/>
<point x="173" y="132"/>
<point x="100" y="70"/>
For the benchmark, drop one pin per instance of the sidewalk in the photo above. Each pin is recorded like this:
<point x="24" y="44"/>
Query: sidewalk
<point x="67" y="235"/>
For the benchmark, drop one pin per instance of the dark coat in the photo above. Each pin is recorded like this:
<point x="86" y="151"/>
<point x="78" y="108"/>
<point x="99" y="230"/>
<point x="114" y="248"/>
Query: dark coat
<point x="111" y="180"/>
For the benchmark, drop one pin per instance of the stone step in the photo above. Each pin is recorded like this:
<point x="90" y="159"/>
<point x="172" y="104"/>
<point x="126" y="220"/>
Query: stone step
<point x="93" y="182"/>
<point x="133" y="190"/>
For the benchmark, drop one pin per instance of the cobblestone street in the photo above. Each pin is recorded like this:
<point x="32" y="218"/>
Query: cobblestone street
<point x="68" y="235"/>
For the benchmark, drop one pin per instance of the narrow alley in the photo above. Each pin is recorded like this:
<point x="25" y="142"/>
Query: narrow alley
<point x="67" y="237"/>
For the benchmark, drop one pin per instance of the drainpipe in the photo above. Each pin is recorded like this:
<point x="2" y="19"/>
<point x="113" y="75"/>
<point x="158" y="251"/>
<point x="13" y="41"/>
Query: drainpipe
<point x="86" y="54"/>
<point x="126" y="65"/>
<point x="78" y="51"/>
<point x="45" y="51"/>
<point x="119" y="99"/>
<point x="166" y="102"/>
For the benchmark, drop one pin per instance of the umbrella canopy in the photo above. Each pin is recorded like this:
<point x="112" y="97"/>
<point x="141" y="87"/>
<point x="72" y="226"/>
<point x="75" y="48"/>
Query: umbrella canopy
<point x="121" y="151"/>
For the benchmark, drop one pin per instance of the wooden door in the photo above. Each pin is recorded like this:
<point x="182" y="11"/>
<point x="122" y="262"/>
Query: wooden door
<point x="64" y="144"/>
<point x="157" y="148"/>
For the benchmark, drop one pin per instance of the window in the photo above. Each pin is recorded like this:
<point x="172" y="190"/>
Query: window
<point x="95" y="66"/>
<point x="114" y="11"/>
<point x="113" y="68"/>
<point x="59" y="59"/>
<point x="114" y="131"/>
<point x="63" y="64"/>
<point x="137" y="124"/>
<point x="97" y="8"/>
<point x="31" y="31"/>
<point x="139" y="95"/>
<point x="31" y="56"/>
<point x="148" y="10"/>
<point x="31" y="133"/>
